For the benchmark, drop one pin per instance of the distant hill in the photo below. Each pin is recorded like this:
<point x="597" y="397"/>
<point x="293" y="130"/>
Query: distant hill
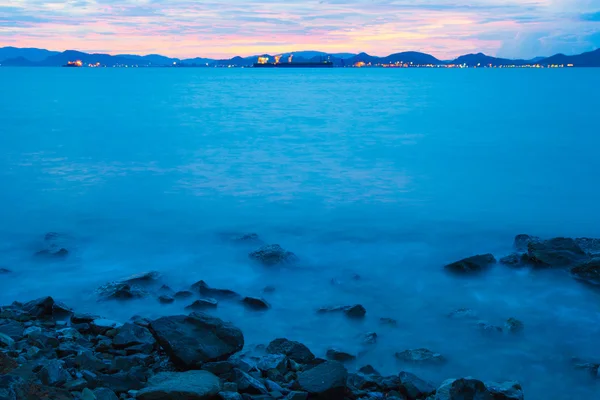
<point x="18" y="62"/>
<point x="589" y="59"/>
<point x="473" y="60"/>
<point x="150" y="59"/>
<point x="29" y="54"/>
<point x="104" y="59"/>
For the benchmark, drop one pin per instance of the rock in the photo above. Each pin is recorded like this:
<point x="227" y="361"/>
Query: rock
<point x="226" y="395"/>
<point x="61" y="310"/>
<point x="295" y="351"/>
<point x="369" y="338"/>
<point x="218" y="368"/>
<point x="143" y="278"/>
<point x="555" y="253"/>
<point x="420" y="356"/>
<point x="126" y="363"/>
<point x="271" y="255"/>
<point x="52" y="253"/>
<point x="166" y="299"/>
<point x="184" y="294"/>
<point x="463" y="313"/>
<point x="190" y="385"/>
<point x="120" y="291"/>
<point x="87" y="394"/>
<point x="86" y="359"/>
<point x="513" y="325"/>
<point x="105" y="394"/>
<point x="12" y="329"/>
<point x="252" y="238"/>
<point x="123" y="382"/>
<point x="511" y="260"/>
<point x="83" y="318"/>
<point x="296" y="396"/>
<point x="336" y="355"/>
<point x="471" y="265"/>
<point x="255" y="303"/>
<point x="355" y="311"/>
<point x="414" y="387"/>
<point x="368" y="370"/>
<point x="522" y="241"/>
<point x="488" y="329"/>
<point x="203" y="304"/>
<point x="326" y="380"/>
<point x="506" y="390"/>
<point x="269" y="289"/>
<point x="205" y="290"/>
<point x="40" y="308"/>
<point x="4" y="271"/>
<point x="247" y="383"/>
<point x="590" y="246"/>
<point x="6" y="341"/>
<point x="274" y="387"/>
<point x="463" y="389"/>
<point x="278" y="362"/>
<point x="54" y="374"/>
<point x="388" y="321"/>
<point x="198" y="338"/>
<point x="592" y="368"/>
<point x="7" y="363"/>
<point x="588" y="272"/>
<point x="31" y="390"/>
<point x="76" y="386"/>
<point x="132" y="335"/>
<point x="100" y="326"/>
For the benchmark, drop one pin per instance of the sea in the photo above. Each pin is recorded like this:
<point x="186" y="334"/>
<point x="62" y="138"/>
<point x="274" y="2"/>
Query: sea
<point x="374" y="178"/>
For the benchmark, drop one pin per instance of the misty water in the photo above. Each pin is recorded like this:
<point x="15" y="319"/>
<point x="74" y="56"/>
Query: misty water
<point x="384" y="174"/>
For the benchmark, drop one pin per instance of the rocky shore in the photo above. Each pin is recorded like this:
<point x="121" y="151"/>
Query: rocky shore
<point x="50" y="351"/>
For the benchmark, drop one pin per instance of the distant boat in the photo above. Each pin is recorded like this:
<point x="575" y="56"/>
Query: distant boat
<point x="263" y="62"/>
<point x="74" y="64"/>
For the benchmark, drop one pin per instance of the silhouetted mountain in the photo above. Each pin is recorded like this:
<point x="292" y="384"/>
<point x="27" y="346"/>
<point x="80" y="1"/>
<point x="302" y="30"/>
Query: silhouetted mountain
<point x="18" y="62"/>
<point x="589" y="59"/>
<point x="197" y="61"/>
<point x="30" y="54"/>
<point x="151" y="59"/>
<point x="411" y="57"/>
<point x="480" y="59"/>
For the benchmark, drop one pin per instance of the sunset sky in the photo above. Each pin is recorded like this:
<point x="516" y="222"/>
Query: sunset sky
<point x="224" y="28"/>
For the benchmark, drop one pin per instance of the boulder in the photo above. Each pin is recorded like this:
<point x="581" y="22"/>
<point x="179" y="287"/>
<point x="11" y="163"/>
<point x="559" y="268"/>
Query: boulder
<point x="278" y="362"/>
<point x="144" y="278"/>
<point x="513" y="325"/>
<point x="100" y="326"/>
<point x="122" y="382"/>
<point x="192" y="340"/>
<point x="471" y="265"/>
<point x="511" y="260"/>
<point x="53" y="373"/>
<point x="183" y="294"/>
<point x="388" y="322"/>
<point x="166" y="299"/>
<point x="555" y="253"/>
<point x="369" y="338"/>
<point x="505" y="390"/>
<point x="218" y="368"/>
<point x="463" y="313"/>
<point x="341" y="356"/>
<point x="255" y="303"/>
<point x="463" y="389"/>
<point x="295" y="351"/>
<point x="414" y="387"/>
<point x="131" y="335"/>
<point x="588" y="272"/>
<point x="326" y="380"/>
<point x="5" y="271"/>
<point x="105" y="394"/>
<point x="7" y="363"/>
<point x="83" y="318"/>
<point x="12" y="329"/>
<point x="40" y="308"/>
<point x="522" y="241"/>
<point x="203" y="304"/>
<point x="205" y="290"/>
<point x="355" y="311"/>
<point x="248" y="384"/>
<point x="120" y="291"/>
<point x="488" y="329"/>
<point x="87" y="360"/>
<point x="590" y="246"/>
<point x="420" y="356"/>
<point x="271" y="255"/>
<point x="190" y="385"/>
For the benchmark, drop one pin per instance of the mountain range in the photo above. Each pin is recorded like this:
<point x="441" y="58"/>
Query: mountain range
<point x="32" y="57"/>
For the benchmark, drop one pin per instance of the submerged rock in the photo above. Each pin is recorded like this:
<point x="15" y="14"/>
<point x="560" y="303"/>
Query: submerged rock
<point x="273" y="254"/>
<point x="341" y="356"/>
<point x="463" y="313"/>
<point x="295" y="351"/>
<point x="588" y="272"/>
<point x="463" y="389"/>
<point x="506" y="390"/>
<point x="184" y="294"/>
<point x="522" y="241"/>
<point x="120" y="291"/>
<point x="513" y="325"/>
<point x="198" y="338"/>
<point x="255" y="303"/>
<point x="553" y="253"/>
<point x="355" y="311"/>
<point x="190" y="385"/>
<point x="512" y="260"/>
<point x="203" y="289"/>
<point x="203" y="304"/>
<point x="488" y="329"/>
<point x="420" y="356"/>
<point x="590" y="246"/>
<point x="326" y="380"/>
<point x="248" y="238"/>
<point x="388" y="321"/>
<point x="166" y="299"/>
<point x="471" y="265"/>
<point x="5" y="271"/>
<point x="55" y="246"/>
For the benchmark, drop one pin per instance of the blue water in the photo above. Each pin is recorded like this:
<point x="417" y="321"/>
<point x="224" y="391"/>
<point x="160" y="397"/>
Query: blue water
<point x="389" y="174"/>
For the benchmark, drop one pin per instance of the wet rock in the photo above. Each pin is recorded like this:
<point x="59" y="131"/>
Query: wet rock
<point x="296" y="396"/>
<point x="269" y="289"/>
<point x="5" y="271"/>
<point x="6" y="341"/>
<point x="588" y="272"/>
<point x="255" y="303"/>
<point x="590" y="246"/>
<point x="511" y="260"/>
<point x="326" y="380"/>
<point x="183" y="294"/>
<point x="123" y="382"/>
<point x="593" y="369"/>
<point x="190" y="385"/>
<point x="243" y="361"/>
<point x="471" y="265"/>
<point x="83" y="318"/>
<point x="126" y="363"/>
<point x="86" y="359"/>
<point x="218" y="368"/>
<point x="369" y="338"/>
<point x="555" y="253"/>
<point x="52" y="253"/>
<point x="278" y="362"/>
<point x="420" y="356"/>
<point x="355" y="311"/>
<point x="388" y="321"/>
<point x="76" y="385"/>
<point x="105" y="394"/>
<point x="463" y="389"/>
<point x="230" y="387"/>
<point x="341" y="356"/>
<point x="100" y="326"/>
<point x="463" y="313"/>
<point x="271" y="255"/>
<point x="120" y="291"/>
<point x="12" y="329"/>
<point x="505" y="390"/>
<point x="30" y="390"/>
<point x="247" y="383"/>
<point x="53" y="373"/>
<point x="251" y="238"/>
<point x="7" y="363"/>
<point x="226" y="395"/>
<point x="488" y="329"/>
<point x="40" y="308"/>
<point x="368" y="370"/>
<point x="132" y="335"/>
<point x="166" y="299"/>
<point x="295" y="351"/>
<point x="143" y="278"/>
<point x="198" y="338"/>
<point x="513" y="325"/>
<point x="414" y="387"/>
<point x="205" y="290"/>
<point x="203" y="304"/>
<point x="522" y="241"/>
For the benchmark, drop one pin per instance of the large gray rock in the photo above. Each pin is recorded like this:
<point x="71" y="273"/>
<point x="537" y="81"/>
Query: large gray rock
<point x="522" y="241"/>
<point x="420" y="356"/>
<point x="295" y="351"/>
<point x="588" y="272"/>
<point x="590" y="246"/>
<point x="326" y="380"/>
<point x="414" y="387"/>
<point x="190" y="385"/>
<point x="505" y="390"/>
<point x="53" y="373"/>
<point x="192" y="340"/>
<point x="463" y="389"/>
<point x="354" y="311"/>
<point x="471" y="265"/>
<point x="273" y="254"/>
<point x="204" y="289"/>
<point x="105" y="394"/>
<point x="131" y="335"/>
<point x="338" y="355"/>
<point x="555" y="253"/>
<point x="40" y="308"/>
<point x="248" y="384"/>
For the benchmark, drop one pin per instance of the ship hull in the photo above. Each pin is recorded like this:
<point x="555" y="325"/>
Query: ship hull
<point x="295" y="65"/>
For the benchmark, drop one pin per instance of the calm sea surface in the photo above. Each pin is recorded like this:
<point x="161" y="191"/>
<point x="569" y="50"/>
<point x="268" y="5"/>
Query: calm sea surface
<point x="388" y="174"/>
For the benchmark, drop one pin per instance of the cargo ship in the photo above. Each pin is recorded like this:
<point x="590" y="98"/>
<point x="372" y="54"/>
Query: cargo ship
<point x="74" y="64"/>
<point x="263" y="62"/>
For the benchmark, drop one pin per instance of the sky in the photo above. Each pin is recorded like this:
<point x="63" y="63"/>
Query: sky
<point x="225" y="28"/>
